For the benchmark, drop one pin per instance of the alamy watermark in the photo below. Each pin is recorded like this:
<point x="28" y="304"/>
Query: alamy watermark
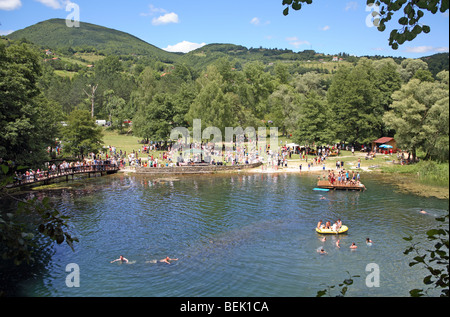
<point x="73" y="18"/>
<point x="249" y="143"/>
<point x="373" y="278"/>
<point x="73" y="278"/>
<point x="373" y="18"/>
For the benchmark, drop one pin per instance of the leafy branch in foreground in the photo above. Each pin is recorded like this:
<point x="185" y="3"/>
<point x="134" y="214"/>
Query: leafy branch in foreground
<point x="435" y="261"/>
<point x="343" y="287"/>
<point x="410" y="26"/>
<point x="17" y="237"/>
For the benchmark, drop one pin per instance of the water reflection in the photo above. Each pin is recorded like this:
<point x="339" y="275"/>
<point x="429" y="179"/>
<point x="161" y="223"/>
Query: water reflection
<point x="234" y="235"/>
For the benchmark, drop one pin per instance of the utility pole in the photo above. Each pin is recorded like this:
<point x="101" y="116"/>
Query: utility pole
<point x="92" y="96"/>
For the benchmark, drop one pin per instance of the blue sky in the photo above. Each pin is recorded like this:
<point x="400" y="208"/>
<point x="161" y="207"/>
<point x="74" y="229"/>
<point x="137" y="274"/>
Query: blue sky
<point x="327" y="26"/>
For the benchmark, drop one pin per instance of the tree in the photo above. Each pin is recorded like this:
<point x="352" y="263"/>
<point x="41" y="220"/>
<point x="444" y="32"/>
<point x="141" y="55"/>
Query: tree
<point x="28" y="122"/>
<point x="410" y="25"/>
<point x="115" y="107"/>
<point x="81" y="136"/>
<point x="313" y="122"/>
<point x="255" y="87"/>
<point x="154" y="121"/>
<point x="283" y="107"/>
<point x="91" y="96"/>
<point x="419" y="115"/>
<point x="409" y="67"/>
<point x="350" y="99"/>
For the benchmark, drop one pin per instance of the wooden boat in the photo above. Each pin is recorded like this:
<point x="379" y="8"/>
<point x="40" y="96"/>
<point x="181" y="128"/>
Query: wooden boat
<point x="343" y="229"/>
<point x="327" y="185"/>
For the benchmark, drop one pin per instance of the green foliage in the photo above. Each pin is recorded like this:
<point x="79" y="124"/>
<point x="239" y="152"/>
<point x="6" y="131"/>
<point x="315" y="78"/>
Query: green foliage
<point x="343" y="287"/>
<point x="32" y="217"/>
<point x="351" y="98"/>
<point x="28" y="122"/>
<point x="437" y="62"/>
<point x="81" y="136"/>
<point x="410" y="26"/>
<point x="434" y="260"/>
<point x="426" y="172"/>
<point x="419" y="115"/>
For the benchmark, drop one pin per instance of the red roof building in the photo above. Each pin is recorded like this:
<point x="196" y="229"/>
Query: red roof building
<point x="385" y="141"/>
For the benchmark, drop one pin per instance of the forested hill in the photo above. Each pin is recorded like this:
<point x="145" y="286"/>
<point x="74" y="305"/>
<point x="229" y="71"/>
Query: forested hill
<point x="54" y="34"/>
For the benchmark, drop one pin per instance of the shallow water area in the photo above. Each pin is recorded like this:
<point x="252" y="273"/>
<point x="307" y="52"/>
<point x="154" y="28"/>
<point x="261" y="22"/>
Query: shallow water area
<point x="235" y="235"/>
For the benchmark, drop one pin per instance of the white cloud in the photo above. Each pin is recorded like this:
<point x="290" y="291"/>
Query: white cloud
<point x="9" y="5"/>
<point x="352" y="5"/>
<point x="153" y="10"/>
<point x="325" y="28"/>
<point x="426" y="49"/>
<point x="55" y="4"/>
<point x="441" y="49"/>
<point x="295" y="41"/>
<point x="419" y="49"/>
<point x="255" y="21"/>
<point x="166" y="19"/>
<point x="183" y="47"/>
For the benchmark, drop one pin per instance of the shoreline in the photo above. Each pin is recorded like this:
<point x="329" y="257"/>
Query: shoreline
<point x="404" y="183"/>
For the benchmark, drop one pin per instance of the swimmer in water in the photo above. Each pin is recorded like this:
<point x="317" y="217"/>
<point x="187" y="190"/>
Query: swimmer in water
<point x="337" y="244"/>
<point x="423" y="212"/>
<point x="167" y="260"/>
<point x="368" y="241"/>
<point x="121" y="259"/>
<point x="353" y="246"/>
<point x="321" y="251"/>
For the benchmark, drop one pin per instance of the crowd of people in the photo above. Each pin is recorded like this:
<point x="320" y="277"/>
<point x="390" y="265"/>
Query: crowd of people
<point x="343" y="177"/>
<point x="64" y="168"/>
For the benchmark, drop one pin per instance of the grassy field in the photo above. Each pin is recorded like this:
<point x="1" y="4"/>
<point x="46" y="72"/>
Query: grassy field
<point x="124" y="142"/>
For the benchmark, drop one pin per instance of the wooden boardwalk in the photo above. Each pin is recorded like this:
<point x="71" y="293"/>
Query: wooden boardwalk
<point x="47" y="176"/>
<point x="336" y="186"/>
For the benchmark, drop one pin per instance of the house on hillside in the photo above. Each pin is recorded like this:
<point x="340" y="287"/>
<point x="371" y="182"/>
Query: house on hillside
<point x="385" y="144"/>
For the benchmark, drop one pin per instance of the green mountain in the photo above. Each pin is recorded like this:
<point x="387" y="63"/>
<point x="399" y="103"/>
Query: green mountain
<point x="55" y="34"/>
<point x="437" y="62"/>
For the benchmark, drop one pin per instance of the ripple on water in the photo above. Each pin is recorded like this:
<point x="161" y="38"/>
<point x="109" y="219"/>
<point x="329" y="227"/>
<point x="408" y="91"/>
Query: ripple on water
<point x="234" y="235"/>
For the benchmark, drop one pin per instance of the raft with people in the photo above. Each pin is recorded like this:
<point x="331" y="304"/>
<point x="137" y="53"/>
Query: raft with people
<point x="341" y="230"/>
<point x="327" y="228"/>
<point x="324" y="184"/>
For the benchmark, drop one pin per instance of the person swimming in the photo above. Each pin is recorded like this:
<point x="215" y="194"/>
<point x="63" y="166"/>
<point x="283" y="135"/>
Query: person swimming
<point x="167" y="260"/>
<point x="321" y="251"/>
<point x="353" y="246"/>
<point x="121" y="259"/>
<point x="369" y="242"/>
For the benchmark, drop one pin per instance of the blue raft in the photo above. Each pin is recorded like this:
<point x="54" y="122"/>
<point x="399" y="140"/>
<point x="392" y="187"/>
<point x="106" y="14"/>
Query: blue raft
<point x="321" y="189"/>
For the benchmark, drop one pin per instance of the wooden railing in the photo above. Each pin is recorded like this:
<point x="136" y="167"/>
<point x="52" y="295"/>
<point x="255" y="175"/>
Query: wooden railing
<point x="42" y="176"/>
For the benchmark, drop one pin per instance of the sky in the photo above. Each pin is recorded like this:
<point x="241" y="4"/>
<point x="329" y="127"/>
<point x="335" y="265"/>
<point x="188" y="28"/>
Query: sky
<point x="326" y="26"/>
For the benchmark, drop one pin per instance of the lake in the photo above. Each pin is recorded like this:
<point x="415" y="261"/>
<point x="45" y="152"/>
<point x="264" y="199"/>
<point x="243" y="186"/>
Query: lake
<point x="235" y="235"/>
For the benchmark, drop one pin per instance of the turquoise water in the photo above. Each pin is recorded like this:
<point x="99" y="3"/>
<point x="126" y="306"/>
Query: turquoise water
<point x="246" y="235"/>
